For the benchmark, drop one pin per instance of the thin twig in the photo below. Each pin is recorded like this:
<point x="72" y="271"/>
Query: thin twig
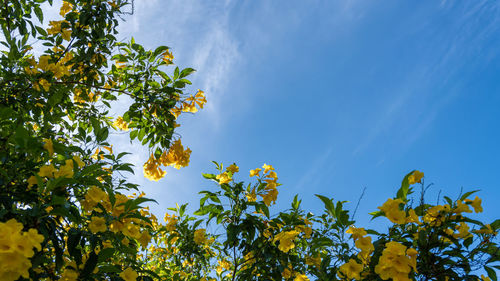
<point x="359" y="201"/>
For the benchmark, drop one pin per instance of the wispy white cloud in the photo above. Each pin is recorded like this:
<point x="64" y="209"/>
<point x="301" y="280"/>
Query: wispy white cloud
<point x="198" y="33"/>
<point x="452" y="52"/>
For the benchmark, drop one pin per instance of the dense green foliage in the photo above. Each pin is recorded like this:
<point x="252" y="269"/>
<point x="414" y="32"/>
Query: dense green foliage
<point x="68" y="212"/>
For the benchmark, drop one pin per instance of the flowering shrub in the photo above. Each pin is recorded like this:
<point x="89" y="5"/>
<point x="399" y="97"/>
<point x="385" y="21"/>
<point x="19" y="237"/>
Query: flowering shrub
<point x="68" y="212"/>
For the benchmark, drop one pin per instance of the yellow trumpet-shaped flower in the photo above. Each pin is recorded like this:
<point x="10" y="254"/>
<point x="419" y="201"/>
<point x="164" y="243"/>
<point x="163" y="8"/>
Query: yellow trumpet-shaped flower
<point x="351" y="270"/>
<point x="476" y="204"/>
<point x="129" y="275"/>
<point x="415" y="177"/>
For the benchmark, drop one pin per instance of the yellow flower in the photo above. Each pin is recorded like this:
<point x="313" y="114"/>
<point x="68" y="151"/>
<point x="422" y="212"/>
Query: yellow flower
<point x="351" y="270"/>
<point x="65" y="171"/>
<point x="144" y="239"/>
<point x="78" y="161"/>
<point x="392" y="211"/>
<point x="364" y="244"/>
<point x="462" y="208"/>
<point x="43" y="62"/>
<point x="107" y="244"/>
<point x="412" y="217"/>
<point x="65" y="8"/>
<point x="176" y="111"/>
<point x="356" y="232"/>
<point x="267" y="168"/>
<point x="233" y="168"/>
<point x="396" y="262"/>
<point x="286" y="240"/>
<point x="486" y="230"/>
<point x="152" y="170"/>
<point x="270" y="197"/>
<point x="120" y="124"/>
<point x="313" y="261"/>
<point x="44" y="83"/>
<point x="252" y="196"/>
<point x="223" y="265"/>
<point x="484" y="278"/>
<point x="129" y="275"/>
<point x="189" y="106"/>
<point x="476" y="204"/>
<point x="168" y="57"/>
<point x="55" y="27"/>
<point x="463" y="231"/>
<point x="177" y="156"/>
<point x="49" y="146"/>
<point x="199" y="236"/>
<point x="223" y="178"/>
<point x="287" y="274"/>
<point x="47" y="171"/>
<point x="412" y="253"/>
<point x="415" y="177"/>
<point x="200" y="98"/>
<point x="125" y="241"/>
<point x="119" y="206"/>
<point x="273" y="177"/>
<point x="32" y="181"/>
<point x="69" y="275"/>
<point x="300" y="277"/>
<point x="16" y="247"/>
<point x="304" y="229"/>
<point x="97" y="224"/>
<point x="66" y="34"/>
<point x="255" y="172"/>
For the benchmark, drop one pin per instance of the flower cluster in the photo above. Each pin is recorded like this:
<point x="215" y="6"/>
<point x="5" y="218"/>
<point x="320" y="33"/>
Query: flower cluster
<point x="396" y="262"/>
<point x="352" y="269"/>
<point x="286" y="239"/>
<point x="270" y="193"/>
<point x="393" y="212"/>
<point x="190" y="103"/>
<point x="176" y="156"/>
<point x="120" y="124"/>
<point x="227" y="176"/>
<point x="16" y="247"/>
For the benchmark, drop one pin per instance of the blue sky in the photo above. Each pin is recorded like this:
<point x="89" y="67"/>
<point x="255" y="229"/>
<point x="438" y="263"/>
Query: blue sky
<point x="337" y="95"/>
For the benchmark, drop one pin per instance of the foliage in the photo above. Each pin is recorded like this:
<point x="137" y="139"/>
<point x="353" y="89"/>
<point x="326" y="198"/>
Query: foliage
<point x="66" y="212"/>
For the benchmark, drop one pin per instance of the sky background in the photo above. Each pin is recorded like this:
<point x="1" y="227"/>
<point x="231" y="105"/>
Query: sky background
<point x="336" y="95"/>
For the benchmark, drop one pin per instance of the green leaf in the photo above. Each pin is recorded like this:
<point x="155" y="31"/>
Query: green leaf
<point x="186" y="71"/>
<point x="330" y="207"/>
<point x="491" y="273"/>
<point x="405" y="187"/>
<point x="21" y="136"/>
<point x="105" y="254"/>
<point x="125" y="167"/>
<point x="74" y="237"/>
<point x="159" y="50"/>
<point x="110" y="268"/>
<point x="209" y="176"/>
<point x="38" y="13"/>
<point x="496" y="224"/>
<point x="90" y="264"/>
<point x="467" y="194"/>
<point x="133" y="134"/>
<point x="41" y="31"/>
<point x="376" y="214"/>
<point x="176" y="73"/>
<point x="296" y="202"/>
